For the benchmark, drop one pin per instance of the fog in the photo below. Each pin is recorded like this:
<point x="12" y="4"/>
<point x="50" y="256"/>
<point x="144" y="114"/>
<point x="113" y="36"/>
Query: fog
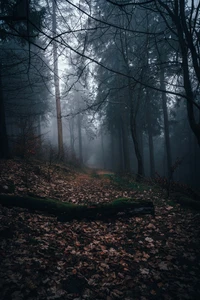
<point x="104" y="85"/>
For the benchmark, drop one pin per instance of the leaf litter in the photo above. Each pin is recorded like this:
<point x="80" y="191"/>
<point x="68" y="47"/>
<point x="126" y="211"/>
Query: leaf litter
<point x="133" y="258"/>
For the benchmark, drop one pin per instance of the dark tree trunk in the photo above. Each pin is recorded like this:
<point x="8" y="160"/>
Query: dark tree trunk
<point x="166" y="124"/>
<point x="4" y="148"/>
<point x="150" y="137"/>
<point x="185" y="34"/>
<point x="121" y="165"/>
<point x="102" y="151"/>
<point x="140" y="172"/>
<point x="140" y="140"/>
<point x="80" y="139"/>
<point x="71" y="131"/>
<point x="134" y="134"/>
<point x="188" y="86"/>
<point x="113" y="163"/>
<point x="125" y="143"/>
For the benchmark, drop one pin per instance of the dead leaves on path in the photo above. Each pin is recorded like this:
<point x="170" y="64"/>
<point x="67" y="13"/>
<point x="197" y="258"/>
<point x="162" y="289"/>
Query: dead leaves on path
<point x="45" y="259"/>
<point x="138" y="258"/>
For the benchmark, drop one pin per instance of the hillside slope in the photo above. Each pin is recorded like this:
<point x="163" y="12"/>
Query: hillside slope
<point x="135" y="258"/>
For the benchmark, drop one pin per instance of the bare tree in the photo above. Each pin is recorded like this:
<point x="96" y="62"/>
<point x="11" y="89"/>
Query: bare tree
<point x="57" y="84"/>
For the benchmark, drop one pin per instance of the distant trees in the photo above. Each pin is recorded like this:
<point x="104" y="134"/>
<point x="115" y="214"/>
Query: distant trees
<point x="139" y="58"/>
<point x="23" y="71"/>
<point x="185" y="27"/>
<point x="25" y="89"/>
<point x="178" y="22"/>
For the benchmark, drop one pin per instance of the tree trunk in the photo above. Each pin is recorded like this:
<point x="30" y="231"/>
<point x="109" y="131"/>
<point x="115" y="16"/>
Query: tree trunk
<point x="150" y="137"/>
<point x="71" y="131"/>
<point x="4" y="148"/>
<point x="80" y="140"/>
<point x="186" y="43"/>
<point x="125" y="144"/>
<point x="134" y="134"/>
<point x="102" y="150"/>
<point x="188" y="90"/>
<point x="113" y="167"/>
<point x="166" y="124"/>
<point x="140" y="172"/>
<point x="120" y="167"/>
<point x="57" y="85"/>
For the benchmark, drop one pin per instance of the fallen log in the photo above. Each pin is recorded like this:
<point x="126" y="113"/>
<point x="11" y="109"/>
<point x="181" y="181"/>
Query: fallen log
<point x="123" y="207"/>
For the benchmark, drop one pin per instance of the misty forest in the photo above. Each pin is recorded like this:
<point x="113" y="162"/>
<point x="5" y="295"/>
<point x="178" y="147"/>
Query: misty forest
<point x="99" y="149"/>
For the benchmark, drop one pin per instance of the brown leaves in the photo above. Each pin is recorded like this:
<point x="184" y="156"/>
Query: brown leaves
<point x="137" y="258"/>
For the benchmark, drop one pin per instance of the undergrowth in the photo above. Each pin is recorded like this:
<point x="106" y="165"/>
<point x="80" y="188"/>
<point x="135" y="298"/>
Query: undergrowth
<point x="128" y="182"/>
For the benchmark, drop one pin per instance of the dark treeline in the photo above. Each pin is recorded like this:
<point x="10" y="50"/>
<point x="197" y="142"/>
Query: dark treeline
<point x="116" y="83"/>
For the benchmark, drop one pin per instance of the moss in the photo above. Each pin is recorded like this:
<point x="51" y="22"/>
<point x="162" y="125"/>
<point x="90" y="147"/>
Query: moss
<point x="94" y="174"/>
<point x="69" y="211"/>
<point x="125" y="182"/>
<point x="33" y="203"/>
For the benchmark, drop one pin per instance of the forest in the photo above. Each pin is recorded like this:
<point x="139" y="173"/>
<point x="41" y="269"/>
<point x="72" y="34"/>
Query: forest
<point x="99" y="149"/>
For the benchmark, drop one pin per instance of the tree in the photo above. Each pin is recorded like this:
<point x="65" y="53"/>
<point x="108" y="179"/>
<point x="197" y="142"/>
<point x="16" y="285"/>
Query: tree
<point x="185" y="19"/>
<point x="14" y="26"/>
<point x="4" y="149"/>
<point x="56" y="84"/>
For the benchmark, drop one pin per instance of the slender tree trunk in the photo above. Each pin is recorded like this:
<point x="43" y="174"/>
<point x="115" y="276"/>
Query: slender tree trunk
<point x="71" y="131"/>
<point x="120" y="148"/>
<point x="112" y="151"/>
<point x="166" y="124"/>
<point x="140" y="141"/>
<point x="125" y="144"/>
<point x="4" y="148"/>
<point x="39" y="134"/>
<point x="102" y="151"/>
<point x="80" y="139"/>
<point x="150" y="137"/>
<point x="134" y="134"/>
<point x="57" y="85"/>
<point x="140" y="172"/>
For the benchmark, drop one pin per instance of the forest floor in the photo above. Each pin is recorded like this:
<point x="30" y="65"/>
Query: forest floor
<point x="134" y="258"/>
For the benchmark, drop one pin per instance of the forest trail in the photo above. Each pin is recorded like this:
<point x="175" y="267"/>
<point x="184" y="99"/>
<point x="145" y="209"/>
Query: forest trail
<point x="104" y="172"/>
<point x="134" y="258"/>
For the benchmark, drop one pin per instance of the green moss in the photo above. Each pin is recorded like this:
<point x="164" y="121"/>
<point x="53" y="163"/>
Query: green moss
<point x="129" y="183"/>
<point x="69" y="211"/>
<point x="95" y="175"/>
<point x="48" y="205"/>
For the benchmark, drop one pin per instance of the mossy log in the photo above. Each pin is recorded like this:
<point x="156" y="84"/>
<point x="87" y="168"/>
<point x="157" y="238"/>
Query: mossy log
<point x="64" y="211"/>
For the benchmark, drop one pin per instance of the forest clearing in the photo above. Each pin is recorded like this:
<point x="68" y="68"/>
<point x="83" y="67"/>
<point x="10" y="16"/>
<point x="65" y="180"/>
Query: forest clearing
<point x="139" y="257"/>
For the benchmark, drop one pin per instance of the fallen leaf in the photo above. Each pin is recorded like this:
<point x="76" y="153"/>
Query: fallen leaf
<point x="144" y="271"/>
<point x="163" y="266"/>
<point x="148" y="239"/>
